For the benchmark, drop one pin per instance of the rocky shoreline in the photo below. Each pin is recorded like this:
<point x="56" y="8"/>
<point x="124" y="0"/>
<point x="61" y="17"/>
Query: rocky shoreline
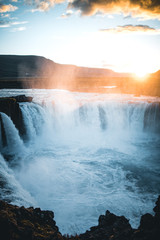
<point x="19" y="223"/>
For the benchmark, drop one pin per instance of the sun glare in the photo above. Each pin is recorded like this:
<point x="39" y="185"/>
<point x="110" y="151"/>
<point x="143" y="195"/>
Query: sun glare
<point x="141" y="71"/>
<point x="141" y="74"/>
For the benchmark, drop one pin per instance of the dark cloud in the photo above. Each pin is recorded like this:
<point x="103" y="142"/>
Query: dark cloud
<point x="132" y="28"/>
<point x="137" y="8"/>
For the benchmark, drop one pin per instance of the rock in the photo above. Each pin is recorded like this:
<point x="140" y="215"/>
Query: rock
<point x="110" y="227"/>
<point x="149" y="228"/>
<point x="157" y="213"/>
<point x="3" y="135"/>
<point x="27" y="223"/>
<point x="147" y="222"/>
<point x="10" y="106"/>
<point x="19" y="223"/>
<point x="22" y="98"/>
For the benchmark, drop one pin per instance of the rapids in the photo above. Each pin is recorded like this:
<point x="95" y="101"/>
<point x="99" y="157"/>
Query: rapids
<point x="83" y="153"/>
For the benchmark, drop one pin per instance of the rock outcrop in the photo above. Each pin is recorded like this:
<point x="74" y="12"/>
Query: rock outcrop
<point x="10" y="106"/>
<point x="19" y="223"/>
<point x="24" y="224"/>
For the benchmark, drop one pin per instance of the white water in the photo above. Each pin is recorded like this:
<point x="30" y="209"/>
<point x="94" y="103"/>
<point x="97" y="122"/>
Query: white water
<point x="13" y="141"/>
<point x="86" y="153"/>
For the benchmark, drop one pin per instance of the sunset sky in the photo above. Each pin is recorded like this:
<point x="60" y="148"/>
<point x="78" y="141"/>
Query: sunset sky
<point x="123" y="35"/>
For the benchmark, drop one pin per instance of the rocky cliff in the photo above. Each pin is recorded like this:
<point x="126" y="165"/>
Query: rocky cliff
<point x="19" y="223"/>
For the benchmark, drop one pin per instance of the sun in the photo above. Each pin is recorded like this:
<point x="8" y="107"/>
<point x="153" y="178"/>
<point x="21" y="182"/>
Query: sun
<point x="141" y="73"/>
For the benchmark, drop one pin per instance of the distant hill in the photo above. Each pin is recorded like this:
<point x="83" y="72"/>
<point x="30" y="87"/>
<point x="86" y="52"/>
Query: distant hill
<point x="18" y="71"/>
<point x="25" y="66"/>
<point x="36" y="66"/>
<point x="155" y="75"/>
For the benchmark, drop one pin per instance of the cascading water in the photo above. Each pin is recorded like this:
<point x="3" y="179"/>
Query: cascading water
<point x="84" y="154"/>
<point x="33" y="116"/>
<point x="10" y="188"/>
<point x="13" y="142"/>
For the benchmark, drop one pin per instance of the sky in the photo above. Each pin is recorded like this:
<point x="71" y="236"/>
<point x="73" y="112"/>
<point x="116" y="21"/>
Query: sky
<point x="122" y="35"/>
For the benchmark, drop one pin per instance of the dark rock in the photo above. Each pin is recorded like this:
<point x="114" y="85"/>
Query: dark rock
<point x="22" y="98"/>
<point x="156" y="209"/>
<point x="27" y="223"/>
<point x="3" y="135"/>
<point x="147" y="222"/>
<point x="19" y="223"/>
<point x="108" y="219"/>
<point x="110" y="227"/>
<point x="10" y="106"/>
<point x="149" y="228"/>
<point x="157" y="212"/>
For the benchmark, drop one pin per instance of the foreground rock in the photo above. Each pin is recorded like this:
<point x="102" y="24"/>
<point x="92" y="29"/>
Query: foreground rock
<point x="19" y="223"/>
<point x="24" y="224"/>
<point x="110" y="227"/>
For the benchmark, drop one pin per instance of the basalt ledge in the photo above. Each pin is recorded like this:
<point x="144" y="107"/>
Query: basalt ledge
<point x="19" y="223"/>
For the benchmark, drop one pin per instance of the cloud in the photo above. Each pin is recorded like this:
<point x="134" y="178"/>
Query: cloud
<point x="42" y="6"/>
<point x="132" y="29"/>
<point x="6" y="24"/>
<point x="5" y="15"/>
<point x="7" y="8"/>
<point x="19" y="29"/>
<point x="17" y="23"/>
<point x="143" y="9"/>
<point x="67" y="14"/>
<point x="148" y="9"/>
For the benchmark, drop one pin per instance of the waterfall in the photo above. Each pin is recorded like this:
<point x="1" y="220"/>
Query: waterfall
<point x="10" y="190"/>
<point x="84" y="118"/>
<point x="152" y="117"/>
<point x="33" y="116"/>
<point x="82" y="154"/>
<point x="14" y="144"/>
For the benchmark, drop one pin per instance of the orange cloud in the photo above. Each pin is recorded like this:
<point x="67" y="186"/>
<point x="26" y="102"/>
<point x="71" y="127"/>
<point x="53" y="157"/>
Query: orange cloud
<point x="7" y="8"/>
<point x="132" y="29"/>
<point x="147" y="9"/>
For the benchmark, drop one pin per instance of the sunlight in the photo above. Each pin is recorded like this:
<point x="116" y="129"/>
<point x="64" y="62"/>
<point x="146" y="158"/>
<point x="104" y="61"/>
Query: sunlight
<point x="141" y="73"/>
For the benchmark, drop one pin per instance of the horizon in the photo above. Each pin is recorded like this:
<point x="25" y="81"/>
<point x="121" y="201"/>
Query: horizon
<point x="130" y="73"/>
<point x="121" y="36"/>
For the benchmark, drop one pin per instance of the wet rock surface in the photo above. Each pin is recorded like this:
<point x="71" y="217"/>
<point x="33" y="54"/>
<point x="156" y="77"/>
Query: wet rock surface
<point x="19" y="223"/>
<point x="10" y="106"/>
